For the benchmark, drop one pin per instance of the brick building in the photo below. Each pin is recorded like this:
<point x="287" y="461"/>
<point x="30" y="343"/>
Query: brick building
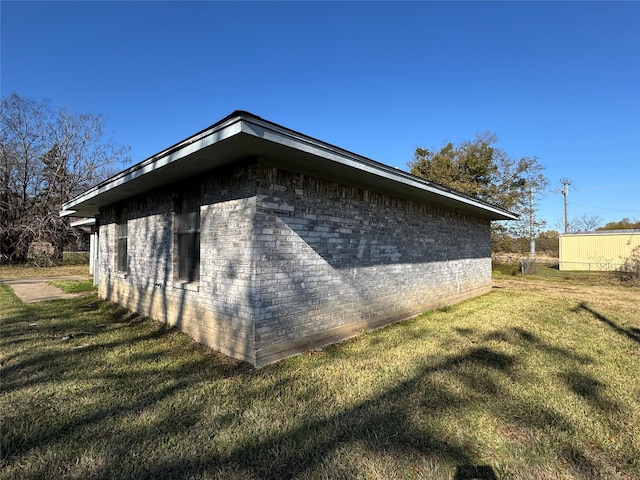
<point x="262" y="242"/>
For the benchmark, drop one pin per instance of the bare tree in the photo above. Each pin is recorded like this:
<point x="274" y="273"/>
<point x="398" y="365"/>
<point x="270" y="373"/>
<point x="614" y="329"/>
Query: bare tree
<point x="585" y="223"/>
<point x="46" y="157"/>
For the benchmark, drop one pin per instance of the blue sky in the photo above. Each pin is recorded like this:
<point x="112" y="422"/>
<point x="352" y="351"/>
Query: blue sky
<point x="558" y="81"/>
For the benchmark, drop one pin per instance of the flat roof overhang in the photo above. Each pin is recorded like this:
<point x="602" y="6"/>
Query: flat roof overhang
<point x="243" y="135"/>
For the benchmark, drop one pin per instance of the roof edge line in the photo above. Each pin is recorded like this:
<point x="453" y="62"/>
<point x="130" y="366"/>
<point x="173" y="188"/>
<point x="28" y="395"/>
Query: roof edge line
<point x="376" y="167"/>
<point x="241" y="121"/>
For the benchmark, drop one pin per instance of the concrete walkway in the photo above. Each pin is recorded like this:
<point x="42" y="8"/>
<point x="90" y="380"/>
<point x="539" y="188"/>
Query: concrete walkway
<point x="31" y="290"/>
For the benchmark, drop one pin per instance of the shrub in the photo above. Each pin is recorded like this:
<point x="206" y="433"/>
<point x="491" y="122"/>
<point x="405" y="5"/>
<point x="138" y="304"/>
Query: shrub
<point x="630" y="270"/>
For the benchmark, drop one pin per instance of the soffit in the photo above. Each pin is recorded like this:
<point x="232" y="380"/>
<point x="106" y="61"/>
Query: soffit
<point x="243" y="135"/>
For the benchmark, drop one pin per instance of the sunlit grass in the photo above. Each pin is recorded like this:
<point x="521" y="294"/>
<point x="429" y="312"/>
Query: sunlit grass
<point x="74" y="286"/>
<point x="534" y="380"/>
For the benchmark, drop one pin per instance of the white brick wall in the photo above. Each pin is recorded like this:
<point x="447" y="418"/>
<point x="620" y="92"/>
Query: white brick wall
<point x="289" y="261"/>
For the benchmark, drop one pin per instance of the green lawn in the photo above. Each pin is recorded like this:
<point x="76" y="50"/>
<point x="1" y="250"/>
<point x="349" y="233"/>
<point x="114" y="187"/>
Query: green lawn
<point x="74" y="286"/>
<point x="536" y="379"/>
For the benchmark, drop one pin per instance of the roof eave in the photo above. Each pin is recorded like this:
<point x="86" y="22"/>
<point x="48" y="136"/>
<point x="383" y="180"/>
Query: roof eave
<point x="243" y="134"/>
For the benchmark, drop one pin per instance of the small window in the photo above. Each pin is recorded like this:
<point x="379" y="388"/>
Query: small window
<point x="189" y="239"/>
<point x="122" y="235"/>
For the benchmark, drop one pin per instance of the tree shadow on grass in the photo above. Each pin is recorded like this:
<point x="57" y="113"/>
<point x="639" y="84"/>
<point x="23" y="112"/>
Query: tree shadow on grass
<point x="524" y="338"/>
<point x="51" y="358"/>
<point x="632" y="333"/>
<point x="127" y="402"/>
<point x="384" y="424"/>
<point x="475" y="472"/>
<point x="388" y="424"/>
<point x="397" y="421"/>
<point x="592" y="391"/>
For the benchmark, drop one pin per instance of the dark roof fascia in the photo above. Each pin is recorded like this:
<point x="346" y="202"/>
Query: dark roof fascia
<point x="244" y="123"/>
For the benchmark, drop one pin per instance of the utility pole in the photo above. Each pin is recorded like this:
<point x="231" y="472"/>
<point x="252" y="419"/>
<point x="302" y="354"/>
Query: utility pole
<point x="532" y="221"/>
<point x="565" y="193"/>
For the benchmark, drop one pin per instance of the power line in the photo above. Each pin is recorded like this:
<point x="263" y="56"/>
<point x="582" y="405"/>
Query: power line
<point x="604" y="208"/>
<point x="620" y="186"/>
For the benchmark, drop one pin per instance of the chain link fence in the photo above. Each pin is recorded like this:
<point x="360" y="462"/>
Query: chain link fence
<point x="595" y="271"/>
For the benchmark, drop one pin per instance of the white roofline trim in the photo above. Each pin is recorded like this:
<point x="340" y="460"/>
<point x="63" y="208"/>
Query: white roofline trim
<point x="315" y="147"/>
<point x="83" y="222"/>
<point x="167" y="156"/>
<point x="249" y="124"/>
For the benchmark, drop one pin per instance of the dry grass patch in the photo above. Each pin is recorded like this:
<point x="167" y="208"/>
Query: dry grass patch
<point x="27" y="271"/>
<point x="534" y="380"/>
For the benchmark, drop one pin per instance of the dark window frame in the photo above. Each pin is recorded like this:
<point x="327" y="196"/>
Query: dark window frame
<point x="187" y="236"/>
<point x="122" y="240"/>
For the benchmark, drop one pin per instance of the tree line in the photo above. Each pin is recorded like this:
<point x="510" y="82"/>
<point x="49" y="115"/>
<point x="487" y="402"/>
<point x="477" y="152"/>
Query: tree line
<point x="47" y="156"/>
<point x="479" y="169"/>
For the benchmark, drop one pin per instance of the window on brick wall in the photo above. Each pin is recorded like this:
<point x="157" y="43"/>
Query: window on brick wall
<point x="188" y="238"/>
<point x="122" y="237"/>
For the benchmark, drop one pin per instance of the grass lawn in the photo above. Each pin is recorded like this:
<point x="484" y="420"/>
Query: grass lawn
<point x="550" y="271"/>
<point x="535" y="380"/>
<point x="25" y="271"/>
<point x="74" y="286"/>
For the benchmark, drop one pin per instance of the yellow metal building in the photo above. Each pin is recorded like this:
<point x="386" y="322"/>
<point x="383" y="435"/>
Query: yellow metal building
<point x="598" y="251"/>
